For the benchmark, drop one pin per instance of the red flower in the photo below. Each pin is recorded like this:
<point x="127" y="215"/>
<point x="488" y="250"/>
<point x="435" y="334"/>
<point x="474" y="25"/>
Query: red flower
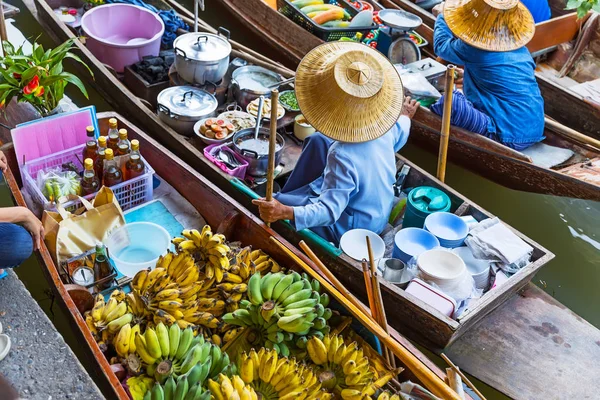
<point x="16" y="76"/>
<point x="32" y="85"/>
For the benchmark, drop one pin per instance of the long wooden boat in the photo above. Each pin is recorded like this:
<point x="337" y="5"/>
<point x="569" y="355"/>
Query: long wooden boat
<point x="219" y="210"/>
<point x="410" y="316"/>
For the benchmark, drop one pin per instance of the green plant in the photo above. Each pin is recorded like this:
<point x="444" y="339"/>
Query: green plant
<point x="583" y="6"/>
<point x="37" y="78"/>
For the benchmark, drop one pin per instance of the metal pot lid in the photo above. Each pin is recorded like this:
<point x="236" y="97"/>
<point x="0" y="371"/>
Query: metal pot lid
<point x="203" y="46"/>
<point x="255" y="79"/>
<point x="187" y="101"/>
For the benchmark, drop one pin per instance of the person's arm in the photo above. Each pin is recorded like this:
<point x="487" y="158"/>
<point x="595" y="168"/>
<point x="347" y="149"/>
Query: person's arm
<point x="401" y="129"/>
<point x="447" y="46"/>
<point x="23" y="216"/>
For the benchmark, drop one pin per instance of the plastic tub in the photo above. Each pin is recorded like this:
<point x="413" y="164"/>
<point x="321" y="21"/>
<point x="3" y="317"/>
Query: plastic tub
<point x="410" y="242"/>
<point x="450" y="229"/>
<point x="421" y="202"/>
<point x="432" y="296"/>
<point x="121" y="34"/>
<point x="137" y="246"/>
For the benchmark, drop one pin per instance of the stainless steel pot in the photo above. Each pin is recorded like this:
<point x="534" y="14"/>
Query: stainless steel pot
<point x="250" y="82"/>
<point x="181" y="107"/>
<point x="258" y="163"/>
<point x="202" y="57"/>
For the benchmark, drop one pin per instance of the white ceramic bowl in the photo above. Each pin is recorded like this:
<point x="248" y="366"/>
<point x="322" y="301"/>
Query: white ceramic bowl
<point x="354" y="243"/>
<point x="441" y="265"/>
<point x="208" y="140"/>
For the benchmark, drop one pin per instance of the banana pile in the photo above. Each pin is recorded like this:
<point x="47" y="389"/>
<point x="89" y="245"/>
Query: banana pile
<point x="106" y="319"/>
<point x="208" y="248"/>
<point x="282" y="309"/>
<point x="388" y="396"/>
<point x="344" y="369"/>
<point x="274" y="377"/>
<point x="234" y="388"/>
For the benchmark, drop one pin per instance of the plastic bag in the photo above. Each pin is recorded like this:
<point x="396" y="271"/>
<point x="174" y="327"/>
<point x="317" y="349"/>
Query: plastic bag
<point x="412" y="391"/>
<point x="55" y="184"/>
<point x="416" y="85"/>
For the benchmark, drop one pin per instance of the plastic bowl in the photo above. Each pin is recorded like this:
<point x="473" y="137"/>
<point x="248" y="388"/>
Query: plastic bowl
<point x="441" y="265"/>
<point x="479" y="269"/>
<point x="208" y="140"/>
<point x="410" y="242"/>
<point x="137" y="246"/>
<point x="450" y="229"/>
<point x="354" y="243"/>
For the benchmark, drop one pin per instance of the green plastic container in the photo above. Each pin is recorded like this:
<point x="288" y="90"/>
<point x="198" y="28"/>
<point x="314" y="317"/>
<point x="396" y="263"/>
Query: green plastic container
<point x="422" y="201"/>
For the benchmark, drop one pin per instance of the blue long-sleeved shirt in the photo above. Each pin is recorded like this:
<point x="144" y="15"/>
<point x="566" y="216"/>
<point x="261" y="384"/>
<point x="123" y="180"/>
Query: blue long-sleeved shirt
<point x="500" y="84"/>
<point x="539" y="9"/>
<point x="355" y="190"/>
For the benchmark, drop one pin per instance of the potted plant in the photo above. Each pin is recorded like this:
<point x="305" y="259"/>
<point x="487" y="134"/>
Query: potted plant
<point x="37" y="78"/>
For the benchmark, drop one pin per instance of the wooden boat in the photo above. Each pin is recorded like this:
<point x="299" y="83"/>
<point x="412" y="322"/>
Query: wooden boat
<point x="214" y="206"/>
<point x="425" y="325"/>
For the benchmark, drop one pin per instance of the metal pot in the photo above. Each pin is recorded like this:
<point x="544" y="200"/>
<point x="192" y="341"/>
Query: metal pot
<point x="181" y="107"/>
<point x="250" y="82"/>
<point x="258" y="163"/>
<point x="202" y="57"/>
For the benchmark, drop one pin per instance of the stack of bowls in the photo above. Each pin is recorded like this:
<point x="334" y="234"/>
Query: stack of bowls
<point x="410" y="242"/>
<point x="449" y="229"/>
<point x="441" y="267"/>
<point x="479" y="269"/>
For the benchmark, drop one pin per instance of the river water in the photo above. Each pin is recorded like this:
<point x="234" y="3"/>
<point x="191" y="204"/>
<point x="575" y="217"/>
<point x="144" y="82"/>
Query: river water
<point x="569" y="228"/>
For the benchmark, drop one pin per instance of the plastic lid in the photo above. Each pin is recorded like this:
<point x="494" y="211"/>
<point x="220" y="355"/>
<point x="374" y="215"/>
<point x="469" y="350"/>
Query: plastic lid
<point x="102" y="141"/>
<point x="88" y="163"/>
<point x="122" y="133"/>
<point x="135" y="144"/>
<point x="112" y="123"/>
<point x="428" y="199"/>
<point x="203" y="46"/>
<point x="187" y="101"/>
<point x="108" y="154"/>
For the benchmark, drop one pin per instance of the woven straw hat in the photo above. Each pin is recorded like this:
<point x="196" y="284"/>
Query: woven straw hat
<point x="493" y="25"/>
<point x="349" y="91"/>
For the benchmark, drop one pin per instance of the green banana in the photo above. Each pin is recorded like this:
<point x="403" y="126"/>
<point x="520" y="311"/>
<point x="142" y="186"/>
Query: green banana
<point x="327" y="314"/>
<point x="284" y="350"/>
<point x="324" y="299"/>
<point x="216" y="356"/>
<point x="268" y="283"/>
<point x="163" y="338"/>
<point x="184" y="343"/>
<point x="283" y="284"/>
<point x="181" y="389"/>
<point x="301" y="342"/>
<point x="254" y="294"/>
<point x="152" y="344"/>
<point x="243" y="315"/>
<point x="307" y="284"/>
<point x="296" y="276"/>
<point x="319" y="309"/>
<point x="191" y="395"/>
<point x="192" y="358"/>
<point x="203" y="371"/>
<point x="302" y="303"/>
<point x="293" y="288"/>
<point x="294" y="323"/>
<point x="294" y="311"/>
<point x="316" y="285"/>
<point x="231" y="320"/>
<point x="301" y="295"/>
<point x="275" y="337"/>
<point x="148" y="395"/>
<point x="206" y="346"/>
<point x="170" y="386"/>
<point x="157" y="392"/>
<point x="319" y="323"/>
<point x="116" y="325"/>
<point x="174" y="336"/>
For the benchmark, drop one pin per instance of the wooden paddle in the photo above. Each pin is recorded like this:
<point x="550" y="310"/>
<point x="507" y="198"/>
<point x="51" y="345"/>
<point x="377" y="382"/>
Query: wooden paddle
<point x="572" y="134"/>
<point x="445" y="138"/>
<point x="272" y="143"/>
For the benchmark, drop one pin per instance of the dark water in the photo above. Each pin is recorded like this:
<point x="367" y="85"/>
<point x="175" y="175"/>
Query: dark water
<point x="567" y="227"/>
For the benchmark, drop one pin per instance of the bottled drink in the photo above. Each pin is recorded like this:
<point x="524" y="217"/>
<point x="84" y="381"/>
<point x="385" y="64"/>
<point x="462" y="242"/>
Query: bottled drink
<point x="89" y="183"/>
<point x="99" y="163"/>
<point x="102" y="267"/>
<point x="135" y="166"/>
<point x="123" y="147"/>
<point x="112" y="174"/>
<point x="91" y="147"/>
<point x="113" y="134"/>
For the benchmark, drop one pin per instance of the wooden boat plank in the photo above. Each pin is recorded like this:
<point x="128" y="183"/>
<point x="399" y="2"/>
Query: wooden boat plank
<point x="555" y="31"/>
<point x="532" y="345"/>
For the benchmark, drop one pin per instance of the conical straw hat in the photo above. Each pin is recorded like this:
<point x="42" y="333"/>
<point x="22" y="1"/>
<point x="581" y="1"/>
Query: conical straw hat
<point x="349" y="91"/>
<point x="493" y="25"/>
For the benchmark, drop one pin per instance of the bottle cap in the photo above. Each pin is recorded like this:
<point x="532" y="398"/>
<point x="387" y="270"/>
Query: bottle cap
<point x="89" y="129"/>
<point x="102" y="141"/>
<point x="135" y="144"/>
<point x="123" y="134"/>
<point x="88" y="163"/>
<point x="108" y="154"/>
<point x="112" y="123"/>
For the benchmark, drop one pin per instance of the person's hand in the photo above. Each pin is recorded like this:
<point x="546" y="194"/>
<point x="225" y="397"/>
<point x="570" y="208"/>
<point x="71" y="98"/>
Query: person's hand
<point x="34" y="226"/>
<point x="438" y="9"/>
<point x="3" y="162"/>
<point x="459" y="75"/>
<point x="410" y="107"/>
<point x="273" y="211"/>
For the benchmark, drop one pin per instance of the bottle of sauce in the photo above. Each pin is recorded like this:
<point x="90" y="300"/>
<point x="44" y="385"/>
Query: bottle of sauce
<point x="112" y="174"/>
<point x="123" y="146"/>
<point x="91" y="147"/>
<point x="100" y="155"/>
<point x="135" y="166"/>
<point x="102" y="267"/>
<point x="113" y="134"/>
<point x="89" y="183"/>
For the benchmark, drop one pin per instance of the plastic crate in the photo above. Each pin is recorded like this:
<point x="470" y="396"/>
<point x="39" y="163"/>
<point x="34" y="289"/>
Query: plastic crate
<point x="327" y="34"/>
<point x="130" y="193"/>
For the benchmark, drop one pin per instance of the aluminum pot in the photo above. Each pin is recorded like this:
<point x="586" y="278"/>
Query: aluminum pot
<point x="202" y="57"/>
<point x="181" y="107"/>
<point x="258" y="163"/>
<point x="250" y="82"/>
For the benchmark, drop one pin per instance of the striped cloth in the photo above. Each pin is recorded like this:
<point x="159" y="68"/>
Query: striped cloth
<point x="464" y="114"/>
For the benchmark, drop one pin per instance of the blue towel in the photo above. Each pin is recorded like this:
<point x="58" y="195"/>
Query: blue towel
<point x="170" y="18"/>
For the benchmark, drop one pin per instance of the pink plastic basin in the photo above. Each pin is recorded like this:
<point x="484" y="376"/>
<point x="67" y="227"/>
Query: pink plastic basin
<point x="121" y="34"/>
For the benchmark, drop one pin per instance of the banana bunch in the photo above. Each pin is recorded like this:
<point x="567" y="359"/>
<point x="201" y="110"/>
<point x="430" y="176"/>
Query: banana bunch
<point x="233" y="388"/>
<point x="207" y="247"/>
<point x="274" y="377"/>
<point x="344" y="369"/>
<point x="105" y="319"/>
<point x="124" y="340"/>
<point x="388" y="396"/>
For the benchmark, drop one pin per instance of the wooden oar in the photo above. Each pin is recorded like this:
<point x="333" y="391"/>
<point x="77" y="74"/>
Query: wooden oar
<point x="430" y="380"/>
<point x="272" y="143"/>
<point x="445" y="138"/>
<point x="572" y="134"/>
<point x="369" y="286"/>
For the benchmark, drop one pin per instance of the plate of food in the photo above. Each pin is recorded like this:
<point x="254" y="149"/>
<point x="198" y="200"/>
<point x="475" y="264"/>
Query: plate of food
<point x="288" y="100"/>
<point x="214" y="130"/>
<point x="266" y="110"/>
<point x="239" y="119"/>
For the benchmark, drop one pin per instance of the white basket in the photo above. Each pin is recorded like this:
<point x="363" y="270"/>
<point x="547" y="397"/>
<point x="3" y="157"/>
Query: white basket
<point x="130" y="193"/>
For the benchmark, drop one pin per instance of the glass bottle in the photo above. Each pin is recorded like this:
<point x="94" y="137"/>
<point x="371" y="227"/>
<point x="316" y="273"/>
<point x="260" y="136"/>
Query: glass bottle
<point x="113" y="134"/>
<point x="99" y="163"/>
<point x="89" y="183"/>
<point x="112" y="174"/>
<point x="123" y="147"/>
<point x="102" y="267"/>
<point x="91" y="147"/>
<point x="135" y="166"/>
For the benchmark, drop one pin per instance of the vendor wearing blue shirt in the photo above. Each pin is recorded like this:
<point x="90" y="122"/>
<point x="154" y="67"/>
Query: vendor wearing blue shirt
<point x="344" y="177"/>
<point x="503" y="100"/>
<point x="539" y="9"/>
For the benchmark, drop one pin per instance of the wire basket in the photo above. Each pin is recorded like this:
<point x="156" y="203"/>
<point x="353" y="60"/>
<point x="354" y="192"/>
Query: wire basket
<point x="130" y="193"/>
<point x="324" y="33"/>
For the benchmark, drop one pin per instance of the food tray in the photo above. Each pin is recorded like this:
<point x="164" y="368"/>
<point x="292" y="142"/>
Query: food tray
<point x="239" y="172"/>
<point x="286" y="8"/>
<point x="130" y="193"/>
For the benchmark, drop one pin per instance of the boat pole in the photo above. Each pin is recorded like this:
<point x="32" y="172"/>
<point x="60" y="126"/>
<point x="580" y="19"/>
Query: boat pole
<point x="445" y="133"/>
<point x="3" y="34"/>
<point x="272" y="144"/>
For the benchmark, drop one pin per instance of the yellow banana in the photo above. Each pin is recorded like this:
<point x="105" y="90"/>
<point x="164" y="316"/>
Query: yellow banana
<point x="117" y="312"/>
<point x="167" y="294"/>
<point x="140" y="344"/>
<point x="139" y="280"/>
<point x="136" y="329"/>
<point x="316" y="350"/>
<point x="111" y="304"/>
<point x="152" y="344"/>
<point x="153" y="278"/>
<point x="98" y="307"/>
<point x="122" y="340"/>
<point x="165" y="261"/>
<point x="115" y="325"/>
